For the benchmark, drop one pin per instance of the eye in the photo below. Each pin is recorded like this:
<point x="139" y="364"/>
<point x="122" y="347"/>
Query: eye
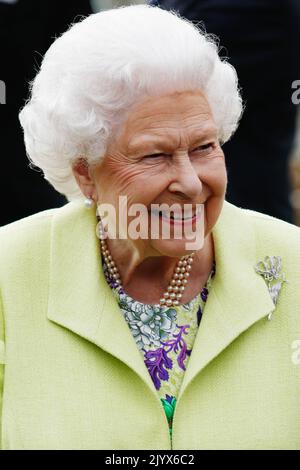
<point x="154" y="155"/>
<point x="203" y="148"/>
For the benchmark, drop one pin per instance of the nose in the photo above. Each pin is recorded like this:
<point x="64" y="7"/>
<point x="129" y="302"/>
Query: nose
<point x="186" y="181"/>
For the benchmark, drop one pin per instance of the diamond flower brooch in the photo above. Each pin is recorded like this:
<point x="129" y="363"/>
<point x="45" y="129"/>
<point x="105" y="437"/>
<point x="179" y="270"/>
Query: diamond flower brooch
<point x="270" y="270"/>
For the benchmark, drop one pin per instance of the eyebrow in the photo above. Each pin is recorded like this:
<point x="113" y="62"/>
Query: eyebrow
<point x="148" y="140"/>
<point x="167" y="142"/>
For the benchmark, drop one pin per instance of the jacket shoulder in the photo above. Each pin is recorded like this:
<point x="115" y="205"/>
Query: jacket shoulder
<point x="24" y="240"/>
<point x="17" y="233"/>
<point x="273" y="234"/>
<point x="29" y="238"/>
<point x="267" y="224"/>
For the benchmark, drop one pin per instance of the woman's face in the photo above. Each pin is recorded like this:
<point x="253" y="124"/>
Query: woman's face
<point x="166" y="152"/>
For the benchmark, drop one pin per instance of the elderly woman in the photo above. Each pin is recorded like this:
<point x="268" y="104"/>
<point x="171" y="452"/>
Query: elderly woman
<point x="114" y="340"/>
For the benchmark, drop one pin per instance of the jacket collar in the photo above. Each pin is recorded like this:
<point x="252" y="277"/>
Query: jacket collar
<point x="81" y="300"/>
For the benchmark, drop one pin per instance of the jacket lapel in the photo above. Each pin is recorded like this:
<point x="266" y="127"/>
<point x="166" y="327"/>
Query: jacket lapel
<point x="238" y="298"/>
<point x="79" y="296"/>
<point x="81" y="300"/>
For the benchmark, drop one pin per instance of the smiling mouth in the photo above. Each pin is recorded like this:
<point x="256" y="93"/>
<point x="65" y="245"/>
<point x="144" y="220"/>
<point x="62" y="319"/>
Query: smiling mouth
<point x="170" y="216"/>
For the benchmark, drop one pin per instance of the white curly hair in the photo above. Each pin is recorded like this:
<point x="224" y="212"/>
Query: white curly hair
<point x="96" y="71"/>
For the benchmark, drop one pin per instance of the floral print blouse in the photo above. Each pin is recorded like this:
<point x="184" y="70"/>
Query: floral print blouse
<point x="164" y="336"/>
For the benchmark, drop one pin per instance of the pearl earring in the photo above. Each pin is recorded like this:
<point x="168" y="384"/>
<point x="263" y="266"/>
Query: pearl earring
<point x="89" y="202"/>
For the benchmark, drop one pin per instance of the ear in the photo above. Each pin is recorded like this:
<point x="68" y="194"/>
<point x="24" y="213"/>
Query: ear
<point x="82" y="174"/>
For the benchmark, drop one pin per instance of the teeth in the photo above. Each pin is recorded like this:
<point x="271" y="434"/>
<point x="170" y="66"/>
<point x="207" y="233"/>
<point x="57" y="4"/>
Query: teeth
<point x="167" y="215"/>
<point x="183" y="218"/>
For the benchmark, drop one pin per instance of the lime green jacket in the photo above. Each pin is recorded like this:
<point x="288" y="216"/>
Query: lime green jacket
<point x="72" y="377"/>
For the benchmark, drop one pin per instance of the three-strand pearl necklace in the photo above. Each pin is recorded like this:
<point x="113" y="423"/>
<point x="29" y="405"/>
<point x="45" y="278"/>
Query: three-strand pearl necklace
<point x="173" y="295"/>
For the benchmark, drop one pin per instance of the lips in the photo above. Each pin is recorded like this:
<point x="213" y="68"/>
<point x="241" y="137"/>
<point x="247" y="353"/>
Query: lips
<point x="182" y="217"/>
<point x="189" y="218"/>
<point x="177" y="216"/>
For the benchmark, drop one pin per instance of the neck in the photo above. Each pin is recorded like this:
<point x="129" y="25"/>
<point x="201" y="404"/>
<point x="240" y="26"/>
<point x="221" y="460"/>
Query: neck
<point x="138" y="262"/>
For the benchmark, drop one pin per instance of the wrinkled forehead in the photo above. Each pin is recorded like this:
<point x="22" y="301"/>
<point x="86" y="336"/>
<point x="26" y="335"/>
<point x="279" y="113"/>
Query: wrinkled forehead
<point x="185" y="112"/>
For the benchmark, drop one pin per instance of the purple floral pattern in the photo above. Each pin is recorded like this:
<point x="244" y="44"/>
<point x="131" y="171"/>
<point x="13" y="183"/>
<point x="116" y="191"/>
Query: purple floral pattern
<point x="164" y="336"/>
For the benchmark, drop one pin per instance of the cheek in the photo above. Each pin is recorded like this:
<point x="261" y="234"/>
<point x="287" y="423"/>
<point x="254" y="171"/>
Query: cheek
<point x="146" y="186"/>
<point x="215" y="177"/>
<point x="216" y="181"/>
<point x="120" y="176"/>
<point x="116" y="174"/>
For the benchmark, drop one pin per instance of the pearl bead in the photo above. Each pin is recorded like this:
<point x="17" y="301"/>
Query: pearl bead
<point x="186" y="275"/>
<point x="178" y="296"/>
<point x="175" y="303"/>
<point x="181" y="276"/>
<point x="169" y="302"/>
<point x="173" y="282"/>
<point x="176" y="276"/>
<point x="184" y="263"/>
<point x="178" y="282"/>
<point x="88" y="202"/>
<point x="172" y="295"/>
<point x="170" y="288"/>
<point x="190" y="260"/>
<point x="162" y="301"/>
<point x="175" y="289"/>
<point x="178" y="270"/>
<point x="181" y="288"/>
<point x="166" y="295"/>
<point x="189" y="268"/>
<point x="109" y="257"/>
<point x="180" y="263"/>
<point x="184" y="269"/>
<point x="184" y="281"/>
